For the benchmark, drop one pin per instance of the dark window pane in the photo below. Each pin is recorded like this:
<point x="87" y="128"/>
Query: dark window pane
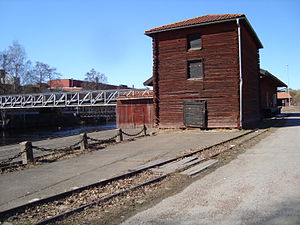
<point x="194" y="41"/>
<point x="195" y="69"/>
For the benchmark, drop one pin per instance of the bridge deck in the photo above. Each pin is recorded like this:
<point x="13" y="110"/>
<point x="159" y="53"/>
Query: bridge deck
<point x="66" y="99"/>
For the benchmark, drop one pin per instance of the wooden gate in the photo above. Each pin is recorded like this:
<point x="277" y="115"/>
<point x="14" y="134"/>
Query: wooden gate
<point x="195" y="113"/>
<point x="135" y="112"/>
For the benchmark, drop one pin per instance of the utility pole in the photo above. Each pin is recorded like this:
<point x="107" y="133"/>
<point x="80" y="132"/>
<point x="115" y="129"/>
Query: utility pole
<point x="288" y="88"/>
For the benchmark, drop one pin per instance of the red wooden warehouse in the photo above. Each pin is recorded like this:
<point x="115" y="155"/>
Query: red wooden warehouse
<point x="206" y="73"/>
<point x="268" y="93"/>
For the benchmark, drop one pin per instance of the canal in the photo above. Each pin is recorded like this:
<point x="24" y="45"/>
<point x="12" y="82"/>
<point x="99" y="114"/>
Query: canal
<point x="14" y="136"/>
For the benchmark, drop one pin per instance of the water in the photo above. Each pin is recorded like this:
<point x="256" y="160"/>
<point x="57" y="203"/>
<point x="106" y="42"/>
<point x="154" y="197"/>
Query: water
<point x="8" y="137"/>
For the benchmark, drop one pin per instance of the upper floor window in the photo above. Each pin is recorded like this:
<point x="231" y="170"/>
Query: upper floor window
<point x="194" y="42"/>
<point x="195" y="69"/>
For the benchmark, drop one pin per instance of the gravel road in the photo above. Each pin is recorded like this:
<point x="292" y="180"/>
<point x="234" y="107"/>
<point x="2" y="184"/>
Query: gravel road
<point x="261" y="186"/>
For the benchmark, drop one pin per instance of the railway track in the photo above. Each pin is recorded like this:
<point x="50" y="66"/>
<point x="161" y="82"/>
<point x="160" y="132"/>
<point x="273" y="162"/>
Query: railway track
<point x="58" y="207"/>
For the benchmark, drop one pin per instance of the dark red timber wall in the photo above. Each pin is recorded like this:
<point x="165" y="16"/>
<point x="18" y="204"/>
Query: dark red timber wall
<point x="219" y="87"/>
<point x="135" y="112"/>
<point x="251" y="78"/>
<point x="268" y="91"/>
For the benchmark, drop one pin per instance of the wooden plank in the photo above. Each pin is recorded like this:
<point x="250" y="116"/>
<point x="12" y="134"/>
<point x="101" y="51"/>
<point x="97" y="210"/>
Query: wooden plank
<point x="172" y="167"/>
<point x="200" y="167"/>
<point x="195" y="113"/>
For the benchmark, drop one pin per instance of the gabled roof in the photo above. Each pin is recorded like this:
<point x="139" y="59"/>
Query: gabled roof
<point x="283" y="95"/>
<point x="195" y="21"/>
<point x="149" y="82"/>
<point x="275" y="80"/>
<point x="203" y="20"/>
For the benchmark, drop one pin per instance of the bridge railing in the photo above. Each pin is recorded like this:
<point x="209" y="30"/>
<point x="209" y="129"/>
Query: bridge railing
<point x="64" y="99"/>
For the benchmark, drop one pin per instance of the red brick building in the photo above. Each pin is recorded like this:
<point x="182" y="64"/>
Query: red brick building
<point x="206" y="72"/>
<point x="79" y="85"/>
<point x="66" y="84"/>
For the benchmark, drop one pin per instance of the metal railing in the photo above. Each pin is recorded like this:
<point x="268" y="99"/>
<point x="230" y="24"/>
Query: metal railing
<point x="65" y="99"/>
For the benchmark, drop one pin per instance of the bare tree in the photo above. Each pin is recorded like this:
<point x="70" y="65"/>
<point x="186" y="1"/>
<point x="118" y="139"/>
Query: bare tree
<point x="15" y="64"/>
<point x="4" y="88"/>
<point x="94" y="80"/>
<point x="295" y="94"/>
<point x="42" y="73"/>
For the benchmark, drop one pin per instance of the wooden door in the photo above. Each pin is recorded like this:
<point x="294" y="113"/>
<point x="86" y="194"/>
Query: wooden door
<point x="195" y="113"/>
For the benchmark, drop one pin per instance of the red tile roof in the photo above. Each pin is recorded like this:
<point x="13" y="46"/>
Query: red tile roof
<point x="283" y="95"/>
<point x="195" y="21"/>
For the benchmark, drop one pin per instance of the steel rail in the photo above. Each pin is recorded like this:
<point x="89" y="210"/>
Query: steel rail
<point x="101" y="200"/>
<point x="22" y="208"/>
<point x="106" y="198"/>
<point x="8" y="213"/>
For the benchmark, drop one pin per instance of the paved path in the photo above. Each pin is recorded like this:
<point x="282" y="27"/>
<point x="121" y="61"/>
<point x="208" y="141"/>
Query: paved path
<point x="42" y="181"/>
<point x="261" y="186"/>
<point x="12" y="150"/>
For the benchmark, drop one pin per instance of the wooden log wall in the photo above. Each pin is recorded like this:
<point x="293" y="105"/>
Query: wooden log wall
<point x="134" y="113"/>
<point x="155" y="77"/>
<point x="251" y="74"/>
<point x="220" y="85"/>
<point x="267" y="90"/>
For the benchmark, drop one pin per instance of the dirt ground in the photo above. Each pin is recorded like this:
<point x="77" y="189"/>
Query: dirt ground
<point x="290" y="109"/>
<point x="119" y="209"/>
<point x="260" y="187"/>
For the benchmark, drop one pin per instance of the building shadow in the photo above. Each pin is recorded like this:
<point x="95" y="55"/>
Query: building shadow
<point x="289" y="120"/>
<point x="284" y="213"/>
<point x="280" y="120"/>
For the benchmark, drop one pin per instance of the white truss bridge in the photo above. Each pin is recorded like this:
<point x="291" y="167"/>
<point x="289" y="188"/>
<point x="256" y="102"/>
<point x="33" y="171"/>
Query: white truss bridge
<point x="67" y="99"/>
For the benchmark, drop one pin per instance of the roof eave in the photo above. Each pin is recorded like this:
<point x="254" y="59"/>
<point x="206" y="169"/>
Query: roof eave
<point x="149" y="33"/>
<point x="149" y="82"/>
<point x="253" y="31"/>
<point x="267" y="74"/>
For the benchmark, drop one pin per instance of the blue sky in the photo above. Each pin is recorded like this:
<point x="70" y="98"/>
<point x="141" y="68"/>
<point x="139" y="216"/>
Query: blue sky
<point x="75" y="36"/>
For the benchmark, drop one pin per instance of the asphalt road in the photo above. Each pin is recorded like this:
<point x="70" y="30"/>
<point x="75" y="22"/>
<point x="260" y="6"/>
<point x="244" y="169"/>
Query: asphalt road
<point x="261" y="186"/>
